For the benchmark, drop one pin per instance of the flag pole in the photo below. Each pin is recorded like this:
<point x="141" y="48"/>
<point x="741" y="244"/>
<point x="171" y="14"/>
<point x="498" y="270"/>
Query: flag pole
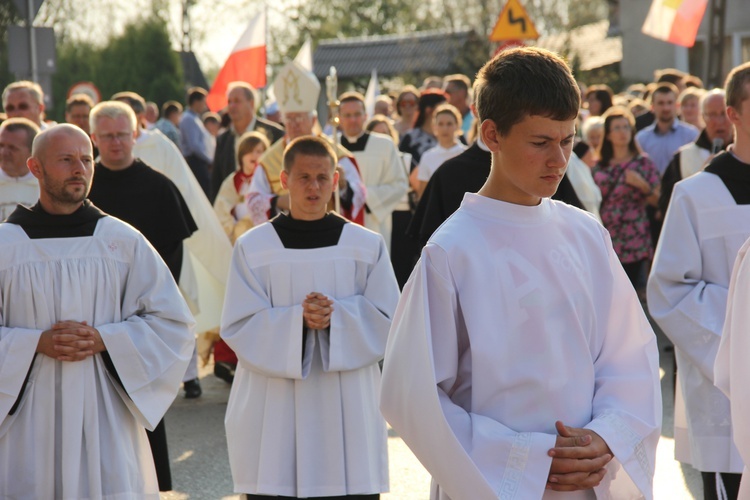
<point x="332" y="83"/>
<point x="264" y="90"/>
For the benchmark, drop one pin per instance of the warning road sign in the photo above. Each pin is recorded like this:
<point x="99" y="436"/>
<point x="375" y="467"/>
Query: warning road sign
<point x="513" y="23"/>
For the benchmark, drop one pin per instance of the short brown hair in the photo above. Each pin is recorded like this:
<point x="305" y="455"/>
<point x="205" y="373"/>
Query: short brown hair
<point x="352" y="97"/>
<point x="78" y="100"/>
<point x="170" y="107"/>
<point x="16" y="124"/>
<point x="459" y="80"/>
<point x="247" y="143"/>
<point x="736" y="85"/>
<point x="308" y="145"/>
<point x="523" y="82"/>
<point x="665" y="88"/>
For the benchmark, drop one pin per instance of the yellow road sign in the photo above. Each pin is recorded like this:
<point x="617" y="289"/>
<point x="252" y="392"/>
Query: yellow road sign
<point x="513" y="23"/>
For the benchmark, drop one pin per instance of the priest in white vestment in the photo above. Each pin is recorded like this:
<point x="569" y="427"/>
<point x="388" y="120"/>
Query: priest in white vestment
<point x="17" y="184"/>
<point x="309" y="303"/>
<point x="382" y="170"/>
<point x="520" y="364"/>
<point x="94" y="339"/>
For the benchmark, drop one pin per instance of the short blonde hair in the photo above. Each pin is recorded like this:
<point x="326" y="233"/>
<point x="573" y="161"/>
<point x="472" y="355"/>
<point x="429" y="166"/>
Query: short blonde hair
<point x="114" y="110"/>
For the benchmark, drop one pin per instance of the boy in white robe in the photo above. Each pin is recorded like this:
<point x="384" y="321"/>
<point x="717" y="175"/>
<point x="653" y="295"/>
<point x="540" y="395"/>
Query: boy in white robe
<point x="94" y="339"/>
<point x="308" y="306"/>
<point x="706" y="224"/>
<point x="731" y="373"/>
<point x="520" y="364"/>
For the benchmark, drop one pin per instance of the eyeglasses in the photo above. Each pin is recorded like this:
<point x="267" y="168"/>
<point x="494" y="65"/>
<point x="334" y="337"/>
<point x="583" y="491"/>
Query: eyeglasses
<point x="121" y="136"/>
<point x="407" y="104"/>
<point x="298" y="119"/>
<point x="715" y="116"/>
<point x="21" y="107"/>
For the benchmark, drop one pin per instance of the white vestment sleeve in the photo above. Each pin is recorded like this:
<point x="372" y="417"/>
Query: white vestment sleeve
<point x="468" y="455"/>
<point x="259" y="183"/>
<point x="265" y="338"/>
<point x="152" y="343"/>
<point x="732" y="370"/>
<point x="360" y="323"/>
<point x="383" y="196"/>
<point x="688" y="309"/>
<point x="627" y="408"/>
<point x="17" y="348"/>
<point x="359" y="193"/>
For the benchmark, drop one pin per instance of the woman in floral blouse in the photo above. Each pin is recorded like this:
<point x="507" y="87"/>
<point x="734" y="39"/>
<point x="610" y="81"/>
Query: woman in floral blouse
<point x="628" y="182"/>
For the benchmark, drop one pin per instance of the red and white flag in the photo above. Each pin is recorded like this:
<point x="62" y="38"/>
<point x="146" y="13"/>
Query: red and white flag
<point x="675" y="21"/>
<point x="246" y="63"/>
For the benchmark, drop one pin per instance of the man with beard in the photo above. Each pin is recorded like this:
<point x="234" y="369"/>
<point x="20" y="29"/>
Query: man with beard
<point x="94" y="339"/>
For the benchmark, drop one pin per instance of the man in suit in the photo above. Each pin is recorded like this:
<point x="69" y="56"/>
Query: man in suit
<point x="241" y="109"/>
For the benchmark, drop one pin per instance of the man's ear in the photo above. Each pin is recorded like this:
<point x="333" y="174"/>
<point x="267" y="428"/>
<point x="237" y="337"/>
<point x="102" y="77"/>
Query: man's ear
<point x="35" y="167"/>
<point x="733" y="115"/>
<point x="490" y="135"/>
<point x="284" y="178"/>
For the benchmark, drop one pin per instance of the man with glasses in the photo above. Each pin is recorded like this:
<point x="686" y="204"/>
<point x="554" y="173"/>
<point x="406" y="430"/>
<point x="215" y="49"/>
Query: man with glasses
<point x="25" y="99"/>
<point x="297" y="92"/>
<point x="693" y="157"/>
<point x="130" y="190"/>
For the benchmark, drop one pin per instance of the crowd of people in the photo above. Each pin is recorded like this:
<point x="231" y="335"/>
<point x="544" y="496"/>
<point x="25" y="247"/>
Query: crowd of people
<point x="494" y="249"/>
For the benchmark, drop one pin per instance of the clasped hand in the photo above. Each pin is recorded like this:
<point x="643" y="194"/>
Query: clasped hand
<point x="316" y="311"/>
<point x="578" y="459"/>
<point x="70" y="341"/>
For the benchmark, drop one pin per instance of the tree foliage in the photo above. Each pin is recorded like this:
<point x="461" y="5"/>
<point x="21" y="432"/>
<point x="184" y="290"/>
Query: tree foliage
<point x="140" y="60"/>
<point x="8" y="17"/>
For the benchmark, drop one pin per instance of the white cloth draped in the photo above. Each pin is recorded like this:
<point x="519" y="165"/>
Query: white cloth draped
<point x="687" y="296"/>
<point x="516" y="317"/>
<point x="305" y="421"/>
<point x="77" y="433"/>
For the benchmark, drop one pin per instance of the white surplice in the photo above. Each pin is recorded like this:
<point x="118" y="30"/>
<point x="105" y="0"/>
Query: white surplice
<point x="516" y="317"/>
<point x="732" y="370"/>
<point x="207" y="252"/>
<point x="687" y="296"/>
<point x="22" y="190"/>
<point x="76" y="433"/>
<point x="385" y="179"/>
<point x="305" y="421"/>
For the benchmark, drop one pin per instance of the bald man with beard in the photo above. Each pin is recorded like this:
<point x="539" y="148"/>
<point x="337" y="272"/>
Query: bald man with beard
<point x="94" y="338"/>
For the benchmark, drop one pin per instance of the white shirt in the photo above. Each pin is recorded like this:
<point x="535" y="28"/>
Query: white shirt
<point x="434" y="157"/>
<point x="516" y="317"/>
<point x="22" y="190"/>
<point x="302" y="418"/>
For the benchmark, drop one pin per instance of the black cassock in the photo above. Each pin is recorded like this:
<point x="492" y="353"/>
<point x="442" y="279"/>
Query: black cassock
<point x="150" y="202"/>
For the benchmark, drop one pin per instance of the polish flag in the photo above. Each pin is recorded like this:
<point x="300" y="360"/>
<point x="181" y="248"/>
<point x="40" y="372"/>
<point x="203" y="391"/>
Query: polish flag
<point x="675" y="21"/>
<point x="246" y="63"/>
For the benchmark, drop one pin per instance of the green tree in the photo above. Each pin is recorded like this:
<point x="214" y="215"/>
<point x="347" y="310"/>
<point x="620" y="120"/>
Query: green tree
<point x="8" y="17"/>
<point x="141" y="60"/>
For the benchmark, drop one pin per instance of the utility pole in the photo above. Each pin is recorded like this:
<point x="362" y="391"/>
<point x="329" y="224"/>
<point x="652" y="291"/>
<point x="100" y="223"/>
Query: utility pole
<point x="717" y="10"/>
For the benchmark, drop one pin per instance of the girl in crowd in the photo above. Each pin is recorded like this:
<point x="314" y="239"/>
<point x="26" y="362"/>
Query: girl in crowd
<point x="230" y="202"/>
<point x="406" y="109"/>
<point x="446" y="124"/>
<point x="599" y="99"/>
<point x="628" y="182"/>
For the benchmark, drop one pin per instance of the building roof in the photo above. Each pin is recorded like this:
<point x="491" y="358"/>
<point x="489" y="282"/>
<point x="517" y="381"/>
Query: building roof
<point x="427" y="51"/>
<point x="589" y="43"/>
